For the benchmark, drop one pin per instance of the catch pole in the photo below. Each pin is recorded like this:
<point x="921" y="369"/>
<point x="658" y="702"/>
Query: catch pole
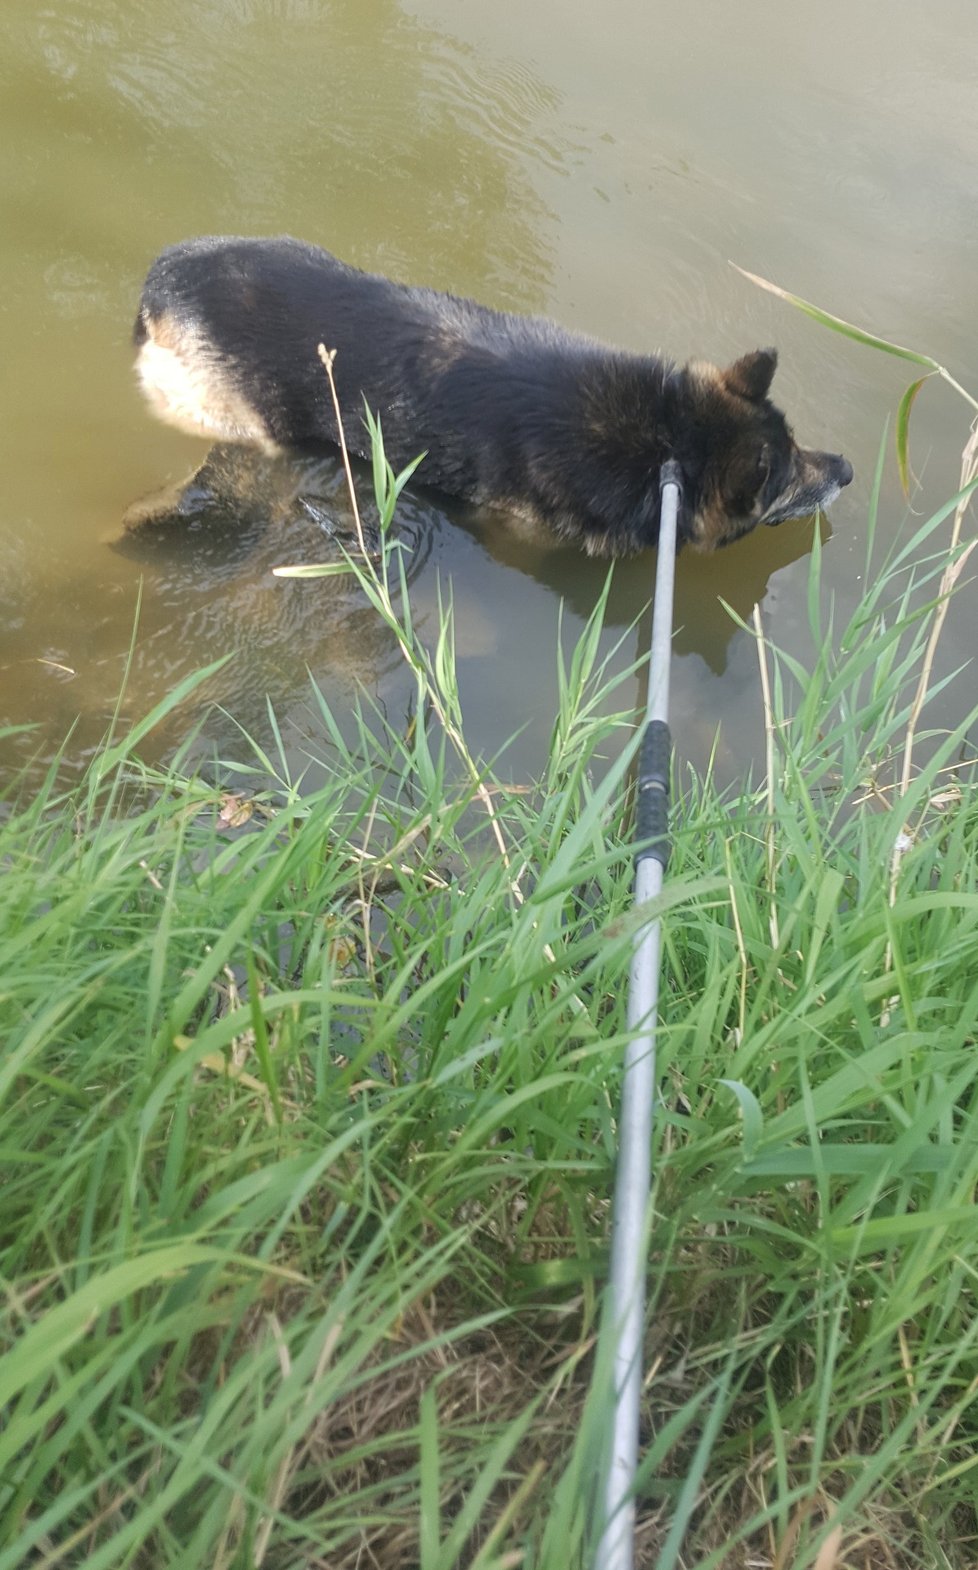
<point x="625" y="1307"/>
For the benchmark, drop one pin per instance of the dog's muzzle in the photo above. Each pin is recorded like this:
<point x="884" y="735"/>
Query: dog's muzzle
<point x="820" y="478"/>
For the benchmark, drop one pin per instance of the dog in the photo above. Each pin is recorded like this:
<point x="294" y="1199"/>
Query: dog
<point x="509" y="411"/>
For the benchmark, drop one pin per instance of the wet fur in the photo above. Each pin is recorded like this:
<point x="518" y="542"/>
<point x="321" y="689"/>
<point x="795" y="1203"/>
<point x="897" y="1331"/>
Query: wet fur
<point x="511" y="411"/>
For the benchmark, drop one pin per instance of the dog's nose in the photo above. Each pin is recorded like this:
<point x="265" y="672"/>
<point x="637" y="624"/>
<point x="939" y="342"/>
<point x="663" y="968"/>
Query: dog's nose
<point x="845" y="471"/>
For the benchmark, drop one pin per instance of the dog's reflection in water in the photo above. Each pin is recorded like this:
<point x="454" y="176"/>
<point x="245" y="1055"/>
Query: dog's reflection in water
<point x="239" y="490"/>
<point x="207" y="546"/>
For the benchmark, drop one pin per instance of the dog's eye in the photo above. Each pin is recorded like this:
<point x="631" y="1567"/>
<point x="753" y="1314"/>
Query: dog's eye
<point x="763" y="464"/>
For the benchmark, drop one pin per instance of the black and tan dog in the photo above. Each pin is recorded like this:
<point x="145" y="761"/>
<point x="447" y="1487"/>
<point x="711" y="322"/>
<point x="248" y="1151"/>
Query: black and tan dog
<point x="510" y="411"/>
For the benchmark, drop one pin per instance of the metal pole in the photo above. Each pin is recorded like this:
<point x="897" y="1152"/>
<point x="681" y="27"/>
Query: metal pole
<point x="625" y="1308"/>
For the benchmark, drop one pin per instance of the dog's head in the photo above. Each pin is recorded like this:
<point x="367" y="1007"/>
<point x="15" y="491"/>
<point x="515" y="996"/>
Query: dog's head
<point x="750" y="468"/>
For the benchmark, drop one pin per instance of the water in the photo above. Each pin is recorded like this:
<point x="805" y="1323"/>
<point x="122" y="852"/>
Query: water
<point x="600" y="167"/>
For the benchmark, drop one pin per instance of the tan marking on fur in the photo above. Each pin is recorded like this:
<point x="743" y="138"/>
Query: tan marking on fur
<point x="706" y="375"/>
<point x="713" y="526"/>
<point x="187" y="385"/>
<point x="706" y="527"/>
<point x="444" y="349"/>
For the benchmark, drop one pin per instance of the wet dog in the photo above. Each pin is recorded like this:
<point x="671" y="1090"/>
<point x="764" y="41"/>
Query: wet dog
<point x="510" y="411"/>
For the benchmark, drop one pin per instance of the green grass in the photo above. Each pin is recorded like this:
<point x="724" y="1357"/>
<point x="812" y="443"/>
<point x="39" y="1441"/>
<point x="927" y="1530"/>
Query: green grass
<point x="308" y="1133"/>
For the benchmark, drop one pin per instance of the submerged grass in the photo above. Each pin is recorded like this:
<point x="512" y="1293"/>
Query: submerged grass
<point x="308" y="1131"/>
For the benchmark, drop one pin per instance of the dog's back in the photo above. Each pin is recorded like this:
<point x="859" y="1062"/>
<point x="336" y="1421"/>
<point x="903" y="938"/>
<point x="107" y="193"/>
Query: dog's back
<point x="257" y="306"/>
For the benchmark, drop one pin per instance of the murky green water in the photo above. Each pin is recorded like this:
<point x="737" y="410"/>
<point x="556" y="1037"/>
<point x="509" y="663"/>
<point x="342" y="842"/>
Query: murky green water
<point x="601" y="164"/>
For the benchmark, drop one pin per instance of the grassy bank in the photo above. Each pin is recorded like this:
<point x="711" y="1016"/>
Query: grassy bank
<point x="308" y="1132"/>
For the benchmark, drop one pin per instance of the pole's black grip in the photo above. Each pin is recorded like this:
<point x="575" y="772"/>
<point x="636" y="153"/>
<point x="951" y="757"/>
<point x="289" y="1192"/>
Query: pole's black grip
<point x="652" y="807"/>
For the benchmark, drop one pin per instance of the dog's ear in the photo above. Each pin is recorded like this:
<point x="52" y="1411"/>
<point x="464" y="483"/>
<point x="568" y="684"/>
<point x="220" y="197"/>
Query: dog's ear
<point x="751" y="376"/>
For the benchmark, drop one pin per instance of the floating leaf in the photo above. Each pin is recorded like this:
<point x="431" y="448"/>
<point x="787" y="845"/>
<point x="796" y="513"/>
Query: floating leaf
<point x="235" y="810"/>
<point x="326" y="569"/>
<point x="342" y="951"/>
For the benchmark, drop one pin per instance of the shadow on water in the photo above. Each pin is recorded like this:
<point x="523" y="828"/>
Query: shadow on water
<point x="205" y="548"/>
<point x="738" y="578"/>
<point x="216" y="527"/>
